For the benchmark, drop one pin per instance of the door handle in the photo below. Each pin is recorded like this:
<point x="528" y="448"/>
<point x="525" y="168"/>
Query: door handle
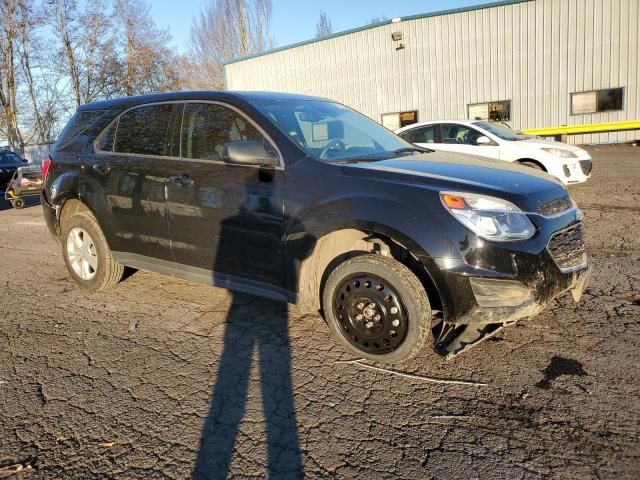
<point x="101" y="168"/>
<point x="184" y="180"/>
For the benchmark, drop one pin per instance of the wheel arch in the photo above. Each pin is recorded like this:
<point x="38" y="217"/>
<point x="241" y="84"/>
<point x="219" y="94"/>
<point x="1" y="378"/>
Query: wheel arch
<point x="531" y="160"/>
<point x="68" y="195"/>
<point x="70" y="206"/>
<point x="339" y="244"/>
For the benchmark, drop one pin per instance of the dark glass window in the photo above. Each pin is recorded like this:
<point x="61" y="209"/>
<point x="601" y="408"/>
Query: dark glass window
<point x="597" y="101"/>
<point x="460" y="134"/>
<point x="207" y="127"/>
<point x="426" y="134"/>
<point x="610" y="99"/>
<point x="143" y="130"/>
<point x="105" y="142"/>
<point x="80" y="122"/>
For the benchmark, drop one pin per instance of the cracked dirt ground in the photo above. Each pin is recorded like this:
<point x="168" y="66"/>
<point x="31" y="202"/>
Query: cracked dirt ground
<point x="122" y="384"/>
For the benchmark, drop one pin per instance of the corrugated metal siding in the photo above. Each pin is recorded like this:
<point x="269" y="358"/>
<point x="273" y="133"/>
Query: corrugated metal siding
<point x="534" y="53"/>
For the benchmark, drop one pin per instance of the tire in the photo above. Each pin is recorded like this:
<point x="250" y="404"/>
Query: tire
<point x="17" y="203"/>
<point x="82" y="234"/>
<point x="532" y="164"/>
<point x="398" y="333"/>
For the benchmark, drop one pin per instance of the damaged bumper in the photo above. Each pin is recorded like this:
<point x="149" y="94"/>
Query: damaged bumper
<point x="482" y="297"/>
<point x="483" y="322"/>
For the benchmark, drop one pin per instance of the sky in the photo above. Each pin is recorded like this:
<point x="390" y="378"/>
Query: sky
<point x="295" y="20"/>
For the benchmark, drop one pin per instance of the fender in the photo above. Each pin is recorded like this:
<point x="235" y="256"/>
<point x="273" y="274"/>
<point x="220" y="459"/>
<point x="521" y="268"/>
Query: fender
<point x="64" y="187"/>
<point x="402" y="222"/>
<point x="72" y="185"/>
<point x="306" y="232"/>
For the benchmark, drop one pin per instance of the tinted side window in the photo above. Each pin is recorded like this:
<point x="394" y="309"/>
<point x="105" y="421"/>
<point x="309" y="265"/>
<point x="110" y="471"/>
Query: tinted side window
<point x="80" y="122"/>
<point x="207" y="127"/>
<point x="425" y="134"/>
<point x="143" y="130"/>
<point x="105" y="142"/>
<point x="460" y="134"/>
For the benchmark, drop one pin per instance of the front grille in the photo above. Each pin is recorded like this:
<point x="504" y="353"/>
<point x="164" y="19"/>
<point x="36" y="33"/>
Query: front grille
<point x="586" y="166"/>
<point x="553" y="207"/>
<point x="567" y="247"/>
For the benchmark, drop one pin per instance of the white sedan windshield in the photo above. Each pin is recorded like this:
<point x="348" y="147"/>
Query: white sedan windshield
<point x="501" y="131"/>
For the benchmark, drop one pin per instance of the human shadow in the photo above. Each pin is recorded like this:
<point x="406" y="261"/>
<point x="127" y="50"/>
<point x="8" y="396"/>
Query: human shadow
<point x="252" y="324"/>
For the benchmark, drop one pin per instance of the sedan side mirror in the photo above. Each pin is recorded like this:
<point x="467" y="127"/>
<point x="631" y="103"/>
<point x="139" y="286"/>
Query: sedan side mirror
<point x="249" y="152"/>
<point x="483" y="140"/>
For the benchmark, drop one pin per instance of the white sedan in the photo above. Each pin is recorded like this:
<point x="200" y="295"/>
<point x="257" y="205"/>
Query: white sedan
<point x="568" y="163"/>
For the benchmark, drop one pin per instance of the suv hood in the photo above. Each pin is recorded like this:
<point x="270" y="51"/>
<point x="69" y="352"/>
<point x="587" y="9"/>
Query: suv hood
<point x="524" y="186"/>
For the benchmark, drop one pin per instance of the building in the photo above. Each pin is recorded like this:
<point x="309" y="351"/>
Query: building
<point x="536" y="64"/>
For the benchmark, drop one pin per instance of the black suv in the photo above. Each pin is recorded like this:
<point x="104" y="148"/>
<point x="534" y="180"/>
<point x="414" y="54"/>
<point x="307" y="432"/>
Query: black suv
<point x="9" y="163"/>
<point x="303" y="200"/>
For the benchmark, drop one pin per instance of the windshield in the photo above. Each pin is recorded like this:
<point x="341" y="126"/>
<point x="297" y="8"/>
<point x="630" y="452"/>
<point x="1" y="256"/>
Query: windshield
<point x="501" y="131"/>
<point x="10" y="159"/>
<point x="331" y="132"/>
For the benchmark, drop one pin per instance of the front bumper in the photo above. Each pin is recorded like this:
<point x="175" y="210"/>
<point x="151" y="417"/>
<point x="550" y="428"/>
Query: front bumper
<point x="480" y="323"/>
<point x="495" y="286"/>
<point x="574" y="171"/>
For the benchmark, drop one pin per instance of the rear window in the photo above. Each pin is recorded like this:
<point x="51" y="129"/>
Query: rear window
<point x="143" y="130"/>
<point x="81" y="121"/>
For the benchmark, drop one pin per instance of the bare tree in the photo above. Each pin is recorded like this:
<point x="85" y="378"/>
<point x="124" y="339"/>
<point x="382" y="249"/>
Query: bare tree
<point x="87" y="48"/>
<point x="378" y="19"/>
<point x="99" y="58"/>
<point x="148" y="63"/>
<point x="11" y="13"/>
<point x="66" y="20"/>
<point x="323" y="26"/>
<point x="227" y="29"/>
<point x="26" y="37"/>
<point x="38" y="94"/>
<point x="58" y="54"/>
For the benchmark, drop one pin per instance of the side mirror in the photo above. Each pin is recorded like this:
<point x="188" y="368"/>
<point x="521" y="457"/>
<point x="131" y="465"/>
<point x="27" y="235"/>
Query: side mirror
<point x="483" y="140"/>
<point x="250" y="152"/>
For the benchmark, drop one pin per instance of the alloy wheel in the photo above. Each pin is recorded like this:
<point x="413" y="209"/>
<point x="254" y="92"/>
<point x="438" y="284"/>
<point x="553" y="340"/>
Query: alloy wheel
<point x="81" y="253"/>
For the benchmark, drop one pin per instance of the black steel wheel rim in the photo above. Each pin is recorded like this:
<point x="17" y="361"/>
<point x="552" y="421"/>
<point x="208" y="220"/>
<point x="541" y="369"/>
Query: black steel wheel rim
<point x="370" y="313"/>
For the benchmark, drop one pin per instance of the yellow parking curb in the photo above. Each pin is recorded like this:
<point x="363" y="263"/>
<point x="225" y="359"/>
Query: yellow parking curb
<point x="590" y="128"/>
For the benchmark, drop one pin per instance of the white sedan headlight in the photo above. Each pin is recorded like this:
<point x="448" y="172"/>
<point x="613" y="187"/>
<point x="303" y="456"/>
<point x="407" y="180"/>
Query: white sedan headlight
<point x="488" y="217"/>
<point x="560" y="152"/>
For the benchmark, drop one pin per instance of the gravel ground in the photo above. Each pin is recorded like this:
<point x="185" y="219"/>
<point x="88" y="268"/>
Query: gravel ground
<point x="161" y="378"/>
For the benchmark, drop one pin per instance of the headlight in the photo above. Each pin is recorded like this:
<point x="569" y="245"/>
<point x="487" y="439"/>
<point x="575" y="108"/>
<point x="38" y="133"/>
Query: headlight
<point x="488" y="217"/>
<point x="560" y="152"/>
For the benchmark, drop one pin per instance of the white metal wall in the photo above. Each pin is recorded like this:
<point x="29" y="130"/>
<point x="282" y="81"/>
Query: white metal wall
<point x="534" y="53"/>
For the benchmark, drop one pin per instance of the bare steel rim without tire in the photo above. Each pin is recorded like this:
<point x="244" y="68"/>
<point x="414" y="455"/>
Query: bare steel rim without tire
<point x="81" y="253"/>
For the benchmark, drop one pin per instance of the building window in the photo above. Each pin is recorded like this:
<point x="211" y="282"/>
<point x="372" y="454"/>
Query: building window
<point x="596" y="101"/>
<point x="394" y="121"/>
<point x="496" y="111"/>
